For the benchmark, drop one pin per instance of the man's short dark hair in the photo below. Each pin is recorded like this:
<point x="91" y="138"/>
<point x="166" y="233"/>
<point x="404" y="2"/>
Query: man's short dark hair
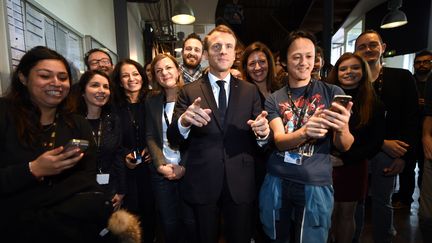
<point x="87" y="55"/>
<point x="292" y="36"/>
<point x="423" y="53"/>
<point x="192" y="36"/>
<point x="370" y="31"/>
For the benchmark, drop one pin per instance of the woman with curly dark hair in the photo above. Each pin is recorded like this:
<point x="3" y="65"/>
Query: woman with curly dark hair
<point x="130" y="90"/>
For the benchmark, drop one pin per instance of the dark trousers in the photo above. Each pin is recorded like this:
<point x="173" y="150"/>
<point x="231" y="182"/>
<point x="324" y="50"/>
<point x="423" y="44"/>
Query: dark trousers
<point x="289" y="226"/>
<point x="140" y="200"/>
<point x="177" y="220"/>
<point x="407" y="177"/>
<point x="237" y="220"/>
<point x="406" y="183"/>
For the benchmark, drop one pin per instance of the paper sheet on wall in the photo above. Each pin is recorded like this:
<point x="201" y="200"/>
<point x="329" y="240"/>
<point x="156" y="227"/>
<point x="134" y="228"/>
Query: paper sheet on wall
<point x="35" y="28"/>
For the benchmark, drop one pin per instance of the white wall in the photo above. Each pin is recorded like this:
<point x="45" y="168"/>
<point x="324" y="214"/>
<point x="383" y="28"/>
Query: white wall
<point x="88" y="17"/>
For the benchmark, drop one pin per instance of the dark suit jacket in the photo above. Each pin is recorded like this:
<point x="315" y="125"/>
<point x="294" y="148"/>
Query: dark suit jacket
<point x="217" y="150"/>
<point x="153" y="124"/>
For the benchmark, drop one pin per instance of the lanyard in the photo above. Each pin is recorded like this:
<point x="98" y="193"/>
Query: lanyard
<point x="136" y="127"/>
<point x="165" y="115"/>
<point x="98" y="135"/>
<point x="300" y="114"/>
<point x="167" y="122"/>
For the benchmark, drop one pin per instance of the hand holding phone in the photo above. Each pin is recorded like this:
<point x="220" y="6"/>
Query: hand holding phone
<point x="343" y="100"/>
<point x="76" y="143"/>
<point x="137" y="157"/>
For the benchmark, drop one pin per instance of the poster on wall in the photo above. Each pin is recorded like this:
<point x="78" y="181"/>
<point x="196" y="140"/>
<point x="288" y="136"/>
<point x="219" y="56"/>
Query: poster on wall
<point x="29" y="27"/>
<point x="35" y="28"/>
<point x="16" y="30"/>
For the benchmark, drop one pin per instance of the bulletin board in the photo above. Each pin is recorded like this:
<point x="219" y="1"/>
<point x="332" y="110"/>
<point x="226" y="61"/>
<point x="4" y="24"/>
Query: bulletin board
<point x="29" y="26"/>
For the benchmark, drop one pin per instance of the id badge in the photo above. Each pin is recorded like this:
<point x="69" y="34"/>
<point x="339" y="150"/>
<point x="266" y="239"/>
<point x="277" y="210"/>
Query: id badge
<point x="293" y="158"/>
<point x="102" y="179"/>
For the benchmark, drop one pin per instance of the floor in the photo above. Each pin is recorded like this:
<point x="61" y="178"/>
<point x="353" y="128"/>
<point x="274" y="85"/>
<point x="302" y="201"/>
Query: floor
<point x="405" y="221"/>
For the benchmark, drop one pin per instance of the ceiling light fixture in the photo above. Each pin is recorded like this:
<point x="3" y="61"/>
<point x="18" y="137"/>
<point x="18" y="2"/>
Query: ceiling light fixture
<point x="395" y="17"/>
<point x="183" y="13"/>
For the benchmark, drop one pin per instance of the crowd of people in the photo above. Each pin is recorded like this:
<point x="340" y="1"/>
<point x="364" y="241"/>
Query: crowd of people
<point x="256" y="151"/>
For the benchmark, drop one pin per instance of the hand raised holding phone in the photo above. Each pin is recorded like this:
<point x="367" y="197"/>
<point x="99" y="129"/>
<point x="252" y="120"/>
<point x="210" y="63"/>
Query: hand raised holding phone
<point x="80" y="144"/>
<point x="342" y="100"/>
<point x="337" y="117"/>
<point x="54" y="161"/>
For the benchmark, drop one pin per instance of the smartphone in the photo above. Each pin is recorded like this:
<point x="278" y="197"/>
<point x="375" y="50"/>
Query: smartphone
<point x="76" y="143"/>
<point x="136" y="157"/>
<point x="342" y="100"/>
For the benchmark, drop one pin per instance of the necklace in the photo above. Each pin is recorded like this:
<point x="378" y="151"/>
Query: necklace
<point x="51" y="141"/>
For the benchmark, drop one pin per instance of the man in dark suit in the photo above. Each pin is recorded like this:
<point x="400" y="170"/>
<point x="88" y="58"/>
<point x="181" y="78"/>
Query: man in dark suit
<point x="218" y="124"/>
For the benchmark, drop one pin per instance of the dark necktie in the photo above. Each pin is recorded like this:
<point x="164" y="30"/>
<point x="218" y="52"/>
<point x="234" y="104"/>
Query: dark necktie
<point x="222" y="100"/>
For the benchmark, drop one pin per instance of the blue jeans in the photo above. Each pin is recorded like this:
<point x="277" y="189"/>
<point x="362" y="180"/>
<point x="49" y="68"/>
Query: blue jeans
<point x="382" y="188"/>
<point x="305" y="213"/>
<point x="176" y="217"/>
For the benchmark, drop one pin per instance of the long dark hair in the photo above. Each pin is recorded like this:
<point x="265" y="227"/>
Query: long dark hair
<point x="365" y="96"/>
<point x="26" y="114"/>
<point x="120" y="97"/>
<point x="271" y="76"/>
<point x="76" y="100"/>
<point x="157" y="88"/>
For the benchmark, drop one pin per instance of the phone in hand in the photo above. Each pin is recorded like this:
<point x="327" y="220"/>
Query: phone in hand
<point x="342" y="100"/>
<point x="136" y="157"/>
<point x="76" y="143"/>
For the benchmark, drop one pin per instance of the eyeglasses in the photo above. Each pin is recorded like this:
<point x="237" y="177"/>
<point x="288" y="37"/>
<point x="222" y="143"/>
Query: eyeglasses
<point x="425" y="62"/>
<point x="103" y="61"/>
<point x="371" y="45"/>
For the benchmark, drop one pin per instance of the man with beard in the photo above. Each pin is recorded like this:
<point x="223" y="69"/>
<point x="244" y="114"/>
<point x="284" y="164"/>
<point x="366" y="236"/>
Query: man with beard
<point x="192" y="53"/>
<point x="396" y="89"/>
<point x="98" y="59"/>
<point x="422" y="75"/>
<point x="423" y="71"/>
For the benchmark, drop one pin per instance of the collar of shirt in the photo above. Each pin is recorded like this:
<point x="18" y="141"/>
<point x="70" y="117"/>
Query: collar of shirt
<point x="215" y="87"/>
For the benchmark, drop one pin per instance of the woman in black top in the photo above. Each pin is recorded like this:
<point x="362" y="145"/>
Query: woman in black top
<point x="366" y="124"/>
<point x="258" y="67"/>
<point x="129" y="94"/>
<point x="48" y="194"/>
<point x="90" y="98"/>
